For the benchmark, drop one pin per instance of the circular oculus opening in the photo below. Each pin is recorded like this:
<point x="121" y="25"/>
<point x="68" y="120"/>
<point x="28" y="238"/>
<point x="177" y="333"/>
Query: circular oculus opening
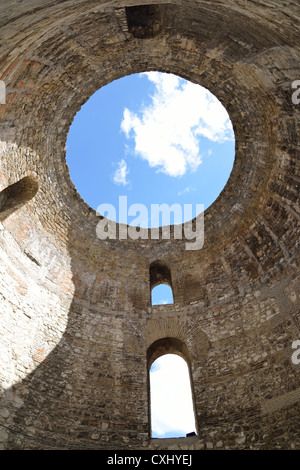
<point x="151" y="138"/>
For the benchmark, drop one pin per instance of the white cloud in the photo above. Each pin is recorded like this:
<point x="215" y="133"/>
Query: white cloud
<point x="171" y="400"/>
<point x="166" y="133"/>
<point x="120" y="175"/>
<point x="186" y="190"/>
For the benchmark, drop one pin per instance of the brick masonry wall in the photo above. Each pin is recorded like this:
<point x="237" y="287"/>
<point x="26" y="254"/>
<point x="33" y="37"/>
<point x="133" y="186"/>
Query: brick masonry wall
<point x="76" y="317"/>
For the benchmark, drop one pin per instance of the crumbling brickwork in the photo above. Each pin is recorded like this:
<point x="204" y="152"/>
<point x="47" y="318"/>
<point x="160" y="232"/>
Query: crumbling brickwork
<point x="76" y="315"/>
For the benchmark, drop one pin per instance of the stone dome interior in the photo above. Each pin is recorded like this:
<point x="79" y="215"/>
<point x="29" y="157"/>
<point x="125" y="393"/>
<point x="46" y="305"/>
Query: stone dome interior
<point x="77" y="321"/>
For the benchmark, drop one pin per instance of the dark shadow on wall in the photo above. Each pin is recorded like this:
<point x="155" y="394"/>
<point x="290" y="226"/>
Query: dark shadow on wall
<point x="88" y="392"/>
<point x="14" y="196"/>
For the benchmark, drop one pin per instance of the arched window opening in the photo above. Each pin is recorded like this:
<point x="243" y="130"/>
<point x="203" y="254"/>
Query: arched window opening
<point x="171" y="404"/>
<point x="161" y="283"/>
<point x="16" y="195"/>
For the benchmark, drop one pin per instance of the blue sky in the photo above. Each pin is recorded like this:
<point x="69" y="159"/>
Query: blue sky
<point x="162" y="294"/>
<point x="154" y="138"/>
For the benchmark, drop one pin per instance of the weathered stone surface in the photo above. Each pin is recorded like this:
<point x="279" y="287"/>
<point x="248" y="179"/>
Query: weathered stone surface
<point x="76" y="316"/>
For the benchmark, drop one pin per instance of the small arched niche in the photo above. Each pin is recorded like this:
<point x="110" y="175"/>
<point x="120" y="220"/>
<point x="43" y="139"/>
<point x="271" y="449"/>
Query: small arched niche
<point x="171" y="404"/>
<point x="17" y="194"/>
<point x="160" y="274"/>
<point x="145" y="21"/>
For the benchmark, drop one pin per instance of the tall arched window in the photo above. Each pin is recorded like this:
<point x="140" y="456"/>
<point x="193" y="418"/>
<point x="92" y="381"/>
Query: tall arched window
<point x="171" y="404"/>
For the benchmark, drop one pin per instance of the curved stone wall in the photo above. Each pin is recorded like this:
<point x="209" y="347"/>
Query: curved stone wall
<point x="77" y="320"/>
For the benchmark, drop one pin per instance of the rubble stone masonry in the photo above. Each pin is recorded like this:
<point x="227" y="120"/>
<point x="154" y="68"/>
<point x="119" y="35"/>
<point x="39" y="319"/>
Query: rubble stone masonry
<point x="76" y="320"/>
